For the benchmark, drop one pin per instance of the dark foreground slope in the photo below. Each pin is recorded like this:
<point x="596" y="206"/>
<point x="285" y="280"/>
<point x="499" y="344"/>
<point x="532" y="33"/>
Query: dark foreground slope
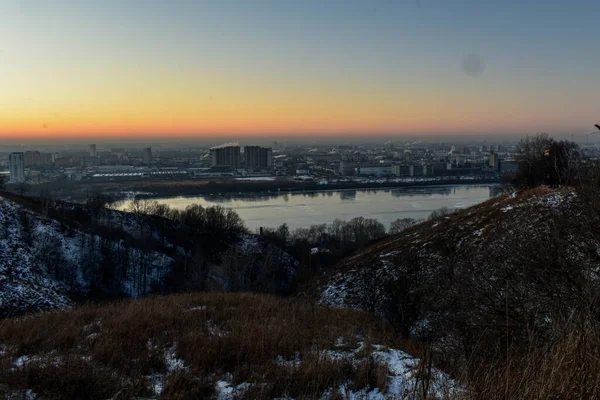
<point x="476" y="281"/>
<point x="210" y="346"/>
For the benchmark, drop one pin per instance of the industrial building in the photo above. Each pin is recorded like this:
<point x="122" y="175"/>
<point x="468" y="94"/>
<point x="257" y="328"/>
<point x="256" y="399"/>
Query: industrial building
<point x="402" y="170"/>
<point x="412" y="170"/>
<point x="374" y="170"/>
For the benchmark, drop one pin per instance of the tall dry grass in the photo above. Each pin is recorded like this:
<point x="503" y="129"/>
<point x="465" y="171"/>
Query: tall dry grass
<point x="115" y="350"/>
<point x="563" y="365"/>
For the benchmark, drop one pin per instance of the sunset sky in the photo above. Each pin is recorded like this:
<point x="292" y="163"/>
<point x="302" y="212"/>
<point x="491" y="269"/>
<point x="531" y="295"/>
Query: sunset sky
<point x="229" y="68"/>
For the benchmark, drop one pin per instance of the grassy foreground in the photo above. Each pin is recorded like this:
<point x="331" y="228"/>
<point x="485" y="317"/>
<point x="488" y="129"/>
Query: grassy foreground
<point x="251" y="346"/>
<point x="185" y="346"/>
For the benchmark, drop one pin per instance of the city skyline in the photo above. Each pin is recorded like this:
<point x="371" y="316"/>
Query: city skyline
<point x="212" y="70"/>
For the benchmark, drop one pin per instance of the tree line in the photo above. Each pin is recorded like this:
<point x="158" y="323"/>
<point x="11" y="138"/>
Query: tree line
<point x="543" y="160"/>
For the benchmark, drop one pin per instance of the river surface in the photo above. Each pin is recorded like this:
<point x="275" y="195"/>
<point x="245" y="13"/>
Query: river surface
<point x="301" y="210"/>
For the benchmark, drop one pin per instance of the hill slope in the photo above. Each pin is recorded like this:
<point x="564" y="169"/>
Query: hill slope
<point x="221" y="346"/>
<point x="512" y="266"/>
<point x="50" y="255"/>
<point x="44" y="263"/>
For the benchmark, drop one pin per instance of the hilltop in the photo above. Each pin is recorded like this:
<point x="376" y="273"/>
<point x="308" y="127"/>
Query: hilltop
<point x="501" y="273"/>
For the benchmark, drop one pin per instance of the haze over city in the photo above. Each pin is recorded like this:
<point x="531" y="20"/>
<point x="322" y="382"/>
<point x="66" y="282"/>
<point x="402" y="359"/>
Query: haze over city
<point x="299" y="70"/>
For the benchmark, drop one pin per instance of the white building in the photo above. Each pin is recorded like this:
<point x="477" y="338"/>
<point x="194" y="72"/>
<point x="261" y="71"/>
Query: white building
<point x="16" y="166"/>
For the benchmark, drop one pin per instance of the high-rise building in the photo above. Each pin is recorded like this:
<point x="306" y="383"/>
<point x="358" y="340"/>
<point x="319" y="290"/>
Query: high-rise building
<point x="494" y="162"/>
<point x="258" y="157"/>
<point x="225" y="155"/>
<point x="37" y="159"/>
<point x="93" y="152"/>
<point x="148" y="155"/>
<point x="16" y="166"/>
<point x="347" y="167"/>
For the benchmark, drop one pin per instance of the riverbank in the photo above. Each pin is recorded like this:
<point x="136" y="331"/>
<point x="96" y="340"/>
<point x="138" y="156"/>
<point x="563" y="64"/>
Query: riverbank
<point x="123" y="190"/>
<point x="236" y="187"/>
<point x="303" y="209"/>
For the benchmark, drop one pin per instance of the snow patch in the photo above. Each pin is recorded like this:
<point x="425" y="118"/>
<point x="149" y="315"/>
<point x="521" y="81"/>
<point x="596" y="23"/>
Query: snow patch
<point x="226" y="390"/>
<point x="198" y="308"/>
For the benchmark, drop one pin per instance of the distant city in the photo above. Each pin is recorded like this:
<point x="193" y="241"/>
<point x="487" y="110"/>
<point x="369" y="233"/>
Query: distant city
<point x="321" y="163"/>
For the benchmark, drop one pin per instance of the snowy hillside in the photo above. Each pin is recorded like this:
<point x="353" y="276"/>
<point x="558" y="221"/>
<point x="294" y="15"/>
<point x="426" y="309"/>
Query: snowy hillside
<point x="43" y="263"/>
<point x="533" y="254"/>
<point x="83" y="251"/>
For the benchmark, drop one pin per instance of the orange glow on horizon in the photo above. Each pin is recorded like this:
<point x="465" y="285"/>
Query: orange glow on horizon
<point x="186" y="104"/>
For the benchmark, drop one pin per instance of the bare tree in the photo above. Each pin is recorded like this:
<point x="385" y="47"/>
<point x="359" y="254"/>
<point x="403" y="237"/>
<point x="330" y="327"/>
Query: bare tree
<point x="543" y="160"/>
<point x="141" y="208"/>
<point x="22" y="188"/>
<point x="401" y="224"/>
<point x="45" y="201"/>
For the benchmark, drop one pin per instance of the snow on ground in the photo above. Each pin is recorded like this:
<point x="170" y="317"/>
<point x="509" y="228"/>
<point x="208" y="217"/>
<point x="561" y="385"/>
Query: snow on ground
<point x="317" y="250"/>
<point x="558" y="199"/>
<point x="404" y="372"/>
<point x="35" y="250"/>
<point x="334" y="294"/>
<point x="250" y="243"/>
<point x="198" y="308"/>
<point x="173" y="364"/>
<point x="22" y="285"/>
<point x="404" y="376"/>
<point x="404" y="379"/>
<point x="21" y="361"/>
<point x="226" y="391"/>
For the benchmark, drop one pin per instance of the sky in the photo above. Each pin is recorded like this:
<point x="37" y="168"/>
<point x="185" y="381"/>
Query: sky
<point x="307" y="68"/>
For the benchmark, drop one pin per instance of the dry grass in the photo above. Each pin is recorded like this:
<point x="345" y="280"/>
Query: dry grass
<point x="115" y="350"/>
<point x="566" y="367"/>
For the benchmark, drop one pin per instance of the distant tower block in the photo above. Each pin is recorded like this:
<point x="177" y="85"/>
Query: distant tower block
<point x="225" y="155"/>
<point x="258" y="157"/>
<point x="16" y="165"/>
<point x="93" y="152"/>
<point x="148" y="155"/>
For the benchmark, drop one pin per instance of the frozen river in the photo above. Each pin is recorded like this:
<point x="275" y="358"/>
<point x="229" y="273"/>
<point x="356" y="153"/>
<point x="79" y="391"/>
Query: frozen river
<point x="300" y="210"/>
